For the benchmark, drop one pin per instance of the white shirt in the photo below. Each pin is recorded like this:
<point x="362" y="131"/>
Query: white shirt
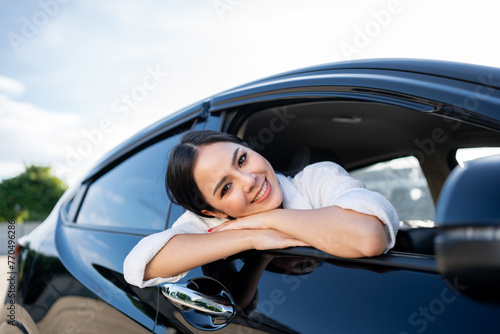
<point x="319" y="185"/>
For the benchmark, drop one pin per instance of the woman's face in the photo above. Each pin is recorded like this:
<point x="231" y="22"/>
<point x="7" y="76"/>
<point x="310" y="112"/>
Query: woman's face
<point x="235" y="180"/>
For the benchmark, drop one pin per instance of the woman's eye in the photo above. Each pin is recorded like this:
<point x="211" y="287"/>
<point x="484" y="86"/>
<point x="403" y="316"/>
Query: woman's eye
<point x="242" y="159"/>
<point x="225" y="189"/>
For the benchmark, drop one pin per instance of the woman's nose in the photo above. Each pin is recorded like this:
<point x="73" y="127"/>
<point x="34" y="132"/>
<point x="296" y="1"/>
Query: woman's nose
<point x="247" y="181"/>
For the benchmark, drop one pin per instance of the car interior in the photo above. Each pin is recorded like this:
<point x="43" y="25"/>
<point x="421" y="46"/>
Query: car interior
<point x="360" y="135"/>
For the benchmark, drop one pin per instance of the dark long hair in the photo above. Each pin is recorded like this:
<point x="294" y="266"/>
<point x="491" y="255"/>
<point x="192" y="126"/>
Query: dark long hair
<point x="180" y="184"/>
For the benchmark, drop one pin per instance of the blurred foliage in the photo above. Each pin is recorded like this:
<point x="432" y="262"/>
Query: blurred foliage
<point x="31" y="195"/>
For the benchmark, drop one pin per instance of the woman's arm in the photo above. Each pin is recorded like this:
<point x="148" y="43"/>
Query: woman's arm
<point x="334" y="230"/>
<point x="187" y="251"/>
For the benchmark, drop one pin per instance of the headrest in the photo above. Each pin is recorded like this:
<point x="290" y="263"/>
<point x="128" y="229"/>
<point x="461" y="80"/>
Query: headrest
<point x="306" y="155"/>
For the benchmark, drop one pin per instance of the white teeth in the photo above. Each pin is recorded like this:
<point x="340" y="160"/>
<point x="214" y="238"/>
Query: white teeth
<point x="261" y="193"/>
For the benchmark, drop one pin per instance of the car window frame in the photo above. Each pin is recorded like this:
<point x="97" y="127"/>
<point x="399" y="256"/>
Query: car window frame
<point x="392" y="260"/>
<point x="76" y="201"/>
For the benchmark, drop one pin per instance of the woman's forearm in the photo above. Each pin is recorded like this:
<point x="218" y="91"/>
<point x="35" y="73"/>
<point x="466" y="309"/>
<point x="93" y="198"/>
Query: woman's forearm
<point x="187" y="251"/>
<point x="333" y="230"/>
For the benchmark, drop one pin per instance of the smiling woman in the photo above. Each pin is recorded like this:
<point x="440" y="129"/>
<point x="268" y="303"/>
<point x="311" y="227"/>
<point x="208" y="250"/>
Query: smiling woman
<point x="234" y="194"/>
<point x="242" y="186"/>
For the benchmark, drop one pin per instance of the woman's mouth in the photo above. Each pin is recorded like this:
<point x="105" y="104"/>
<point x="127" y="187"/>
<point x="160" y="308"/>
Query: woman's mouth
<point x="263" y="193"/>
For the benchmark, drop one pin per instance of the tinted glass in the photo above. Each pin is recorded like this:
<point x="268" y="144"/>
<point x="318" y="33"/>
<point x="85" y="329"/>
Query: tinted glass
<point x="132" y="195"/>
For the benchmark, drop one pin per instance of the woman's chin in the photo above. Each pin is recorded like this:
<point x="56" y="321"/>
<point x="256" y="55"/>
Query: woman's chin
<point x="273" y="203"/>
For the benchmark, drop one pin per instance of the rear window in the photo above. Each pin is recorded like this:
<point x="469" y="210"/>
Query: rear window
<point x="132" y="195"/>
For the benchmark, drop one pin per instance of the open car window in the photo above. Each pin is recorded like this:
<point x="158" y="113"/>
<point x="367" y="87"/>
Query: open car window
<point x="403" y="183"/>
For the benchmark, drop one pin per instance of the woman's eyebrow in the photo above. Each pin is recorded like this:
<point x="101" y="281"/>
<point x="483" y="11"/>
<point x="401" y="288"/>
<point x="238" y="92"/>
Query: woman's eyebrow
<point x="235" y="155"/>
<point x="233" y="162"/>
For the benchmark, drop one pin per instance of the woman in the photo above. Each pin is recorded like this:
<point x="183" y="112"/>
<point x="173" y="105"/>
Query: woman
<point x="236" y="202"/>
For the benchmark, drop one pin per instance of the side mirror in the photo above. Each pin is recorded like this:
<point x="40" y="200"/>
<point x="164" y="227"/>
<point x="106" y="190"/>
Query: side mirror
<point x="468" y="217"/>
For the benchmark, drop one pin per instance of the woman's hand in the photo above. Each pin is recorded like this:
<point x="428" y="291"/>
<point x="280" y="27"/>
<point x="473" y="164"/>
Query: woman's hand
<point x="252" y="222"/>
<point x="265" y="237"/>
<point x="273" y="239"/>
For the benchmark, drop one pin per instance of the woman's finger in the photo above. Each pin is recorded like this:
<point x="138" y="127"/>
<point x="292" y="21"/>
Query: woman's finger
<point x="234" y="225"/>
<point x="229" y="225"/>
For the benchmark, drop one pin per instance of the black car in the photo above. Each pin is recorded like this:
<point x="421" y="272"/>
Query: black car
<point x="401" y="126"/>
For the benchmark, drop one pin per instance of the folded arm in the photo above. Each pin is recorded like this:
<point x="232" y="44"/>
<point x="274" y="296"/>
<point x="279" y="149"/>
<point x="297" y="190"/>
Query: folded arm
<point x="334" y="230"/>
<point x="187" y="251"/>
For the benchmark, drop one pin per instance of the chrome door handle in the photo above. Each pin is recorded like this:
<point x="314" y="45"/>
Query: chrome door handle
<point x="219" y="307"/>
<point x="184" y="296"/>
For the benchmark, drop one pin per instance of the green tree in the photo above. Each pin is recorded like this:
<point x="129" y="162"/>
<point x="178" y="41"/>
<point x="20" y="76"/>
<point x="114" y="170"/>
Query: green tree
<point x="30" y="195"/>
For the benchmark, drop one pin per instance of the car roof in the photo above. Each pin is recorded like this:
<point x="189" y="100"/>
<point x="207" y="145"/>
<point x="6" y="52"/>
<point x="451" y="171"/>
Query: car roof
<point x="479" y="74"/>
<point x="441" y="68"/>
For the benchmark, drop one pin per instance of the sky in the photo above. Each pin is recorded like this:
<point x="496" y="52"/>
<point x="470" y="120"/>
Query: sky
<point x="79" y="77"/>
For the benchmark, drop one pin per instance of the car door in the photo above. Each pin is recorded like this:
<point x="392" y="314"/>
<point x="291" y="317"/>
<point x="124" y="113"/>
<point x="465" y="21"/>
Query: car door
<point x="307" y="293"/>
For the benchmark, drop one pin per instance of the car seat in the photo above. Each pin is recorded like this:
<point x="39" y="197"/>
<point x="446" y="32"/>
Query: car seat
<point x="306" y="155"/>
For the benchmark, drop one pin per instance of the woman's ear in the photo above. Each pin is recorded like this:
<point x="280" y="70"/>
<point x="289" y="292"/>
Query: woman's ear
<point x="215" y="214"/>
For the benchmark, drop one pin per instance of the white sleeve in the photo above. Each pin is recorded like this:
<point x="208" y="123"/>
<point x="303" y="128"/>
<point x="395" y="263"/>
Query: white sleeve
<point x="136" y="261"/>
<point x="328" y="184"/>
